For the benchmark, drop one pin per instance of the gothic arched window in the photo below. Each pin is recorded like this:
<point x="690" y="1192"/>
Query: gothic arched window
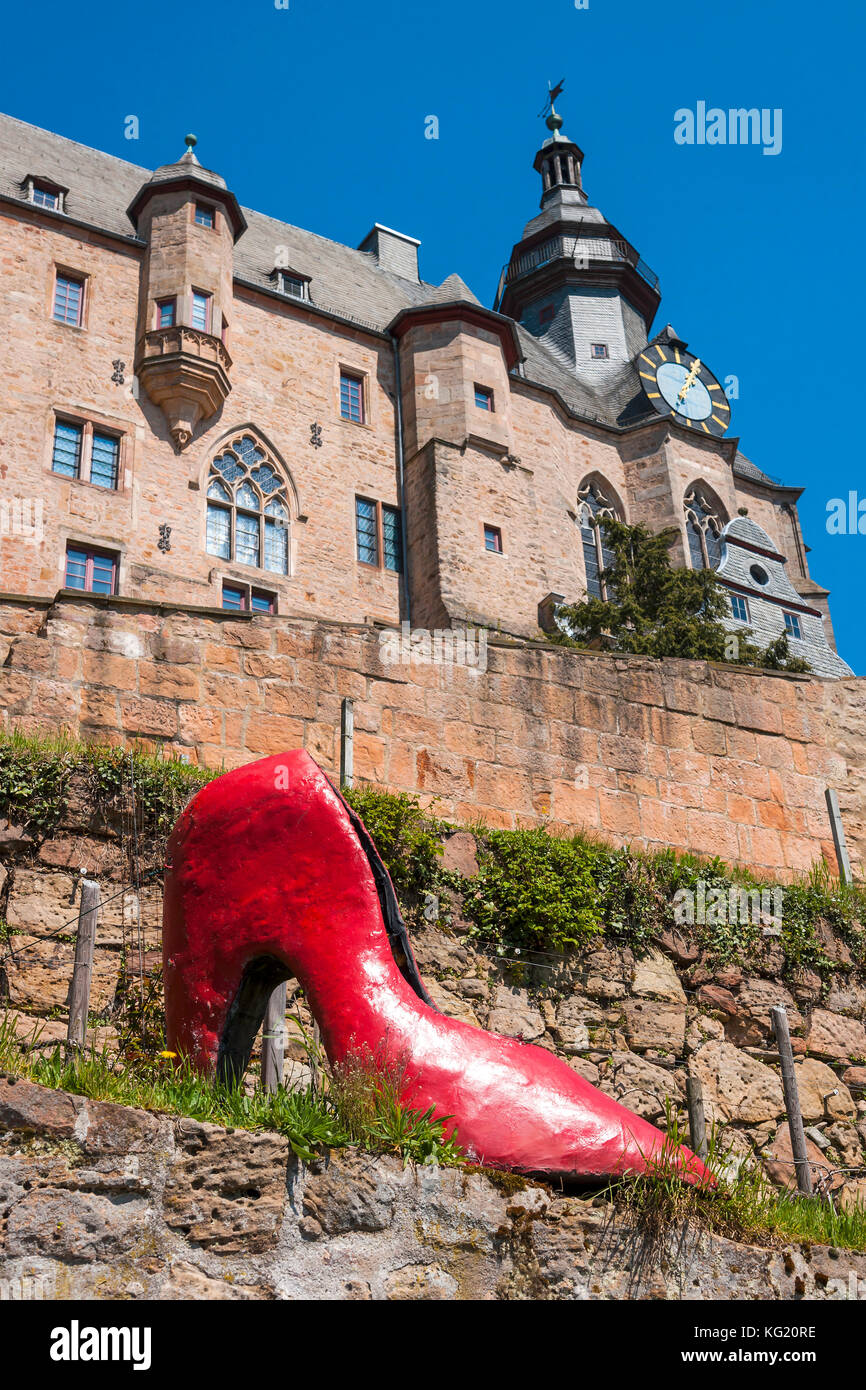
<point x="248" y="508"/>
<point x="704" y="524"/>
<point x="593" y="505"/>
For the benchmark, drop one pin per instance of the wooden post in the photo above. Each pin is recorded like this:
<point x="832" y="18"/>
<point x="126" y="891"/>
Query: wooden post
<point x="314" y="1057"/>
<point x="792" y="1100"/>
<point x="274" y="1040"/>
<point x="697" y="1120"/>
<point x="82" y="969"/>
<point x="347" y="743"/>
<point x="838" y="830"/>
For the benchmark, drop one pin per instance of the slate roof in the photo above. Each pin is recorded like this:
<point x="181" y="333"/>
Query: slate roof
<point x="344" y="281"/>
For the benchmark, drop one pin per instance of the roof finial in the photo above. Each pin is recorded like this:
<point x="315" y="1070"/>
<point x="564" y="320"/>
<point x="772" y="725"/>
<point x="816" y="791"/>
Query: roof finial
<point x="190" y="141"/>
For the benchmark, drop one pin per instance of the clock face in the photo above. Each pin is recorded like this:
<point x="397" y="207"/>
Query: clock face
<point x="680" y="387"/>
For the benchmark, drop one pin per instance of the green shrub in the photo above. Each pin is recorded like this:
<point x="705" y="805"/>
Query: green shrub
<point x="533" y="890"/>
<point x="407" y="839"/>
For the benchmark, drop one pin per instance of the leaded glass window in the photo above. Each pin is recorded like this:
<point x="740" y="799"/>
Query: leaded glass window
<point x="367" y="531"/>
<point x="597" y="556"/>
<point x="704" y="528"/>
<point x="248" y="513"/>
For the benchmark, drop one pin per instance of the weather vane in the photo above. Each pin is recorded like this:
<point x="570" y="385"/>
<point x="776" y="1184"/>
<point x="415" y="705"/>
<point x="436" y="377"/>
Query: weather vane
<point x="552" y="94"/>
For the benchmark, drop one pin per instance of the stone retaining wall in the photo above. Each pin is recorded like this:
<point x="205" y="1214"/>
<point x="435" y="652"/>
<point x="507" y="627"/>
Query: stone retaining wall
<point x="102" y="1202"/>
<point x="706" y="758"/>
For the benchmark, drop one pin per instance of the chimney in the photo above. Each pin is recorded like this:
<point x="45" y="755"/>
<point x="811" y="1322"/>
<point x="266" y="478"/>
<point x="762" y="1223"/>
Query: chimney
<point x="393" y="251"/>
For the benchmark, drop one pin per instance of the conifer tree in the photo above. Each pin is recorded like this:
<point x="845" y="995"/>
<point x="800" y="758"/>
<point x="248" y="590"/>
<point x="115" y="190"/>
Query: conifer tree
<point x="655" y="609"/>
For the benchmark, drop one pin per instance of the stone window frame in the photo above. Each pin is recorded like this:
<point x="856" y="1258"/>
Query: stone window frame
<point x="608" y="505"/>
<point x="362" y="377"/>
<point x="284" y="494"/>
<point x="283" y="274"/>
<point x="90" y="425"/>
<point x="248" y="593"/>
<point x="205" y="207"/>
<point x="484" y="397"/>
<point x="207" y="296"/>
<point x="380" y="508"/>
<point x="159" y="305"/>
<point x="35" y="182"/>
<point x="99" y="545"/>
<point x="703" y="513"/>
<point x="61" y="271"/>
<point x="497" y="532"/>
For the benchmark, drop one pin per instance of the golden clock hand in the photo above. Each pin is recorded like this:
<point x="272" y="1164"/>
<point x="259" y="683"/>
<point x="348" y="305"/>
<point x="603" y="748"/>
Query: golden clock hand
<point x="690" y="380"/>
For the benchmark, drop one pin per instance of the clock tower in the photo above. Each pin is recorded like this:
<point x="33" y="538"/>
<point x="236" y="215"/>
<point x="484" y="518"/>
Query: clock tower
<point x="573" y="280"/>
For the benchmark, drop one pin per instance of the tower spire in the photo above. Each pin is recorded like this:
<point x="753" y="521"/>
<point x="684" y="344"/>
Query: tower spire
<point x="559" y="160"/>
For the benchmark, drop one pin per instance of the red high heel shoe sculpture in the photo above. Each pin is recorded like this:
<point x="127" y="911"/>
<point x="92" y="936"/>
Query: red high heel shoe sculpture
<point x="271" y="876"/>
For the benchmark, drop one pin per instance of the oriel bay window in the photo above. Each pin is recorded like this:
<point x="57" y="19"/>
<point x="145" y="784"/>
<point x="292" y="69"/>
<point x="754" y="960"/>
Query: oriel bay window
<point x="248" y="509"/>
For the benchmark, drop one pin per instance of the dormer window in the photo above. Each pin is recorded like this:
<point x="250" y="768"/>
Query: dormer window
<point x="46" y="198"/>
<point x="295" y="285"/>
<point x="204" y="216"/>
<point x="44" y="193"/>
<point x="599" y="352"/>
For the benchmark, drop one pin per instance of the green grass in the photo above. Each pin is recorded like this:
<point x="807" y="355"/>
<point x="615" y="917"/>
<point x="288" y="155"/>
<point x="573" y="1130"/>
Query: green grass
<point x="359" y="1106"/>
<point x="746" y="1207"/>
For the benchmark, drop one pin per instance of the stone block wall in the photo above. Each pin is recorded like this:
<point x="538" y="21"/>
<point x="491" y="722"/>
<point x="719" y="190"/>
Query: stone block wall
<point x="711" y="759"/>
<point x="98" y="1201"/>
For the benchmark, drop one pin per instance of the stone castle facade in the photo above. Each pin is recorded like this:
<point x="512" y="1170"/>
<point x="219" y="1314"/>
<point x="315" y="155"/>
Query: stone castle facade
<point x="205" y="406"/>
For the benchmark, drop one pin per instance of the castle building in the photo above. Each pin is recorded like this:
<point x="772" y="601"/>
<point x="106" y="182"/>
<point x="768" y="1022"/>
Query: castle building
<point x="205" y="406"/>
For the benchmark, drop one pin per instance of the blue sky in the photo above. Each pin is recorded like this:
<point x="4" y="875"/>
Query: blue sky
<point x="316" y="114"/>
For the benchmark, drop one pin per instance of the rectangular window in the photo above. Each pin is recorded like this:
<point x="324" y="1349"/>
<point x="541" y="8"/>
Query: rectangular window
<point x="484" y="398"/>
<point x="352" y="398"/>
<point x="547" y="314"/>
<point x="166" y="311"/>
<point x="68" y="300"/>
<point x="46" y="197"/>
<point x="201" y="311"/>
<point x="204" y="216"/>
<point x="367" y="531"/>
<point x="291" y="284"/>
<point x="739" y="608"/>
<point x="243" y="600"/>
<point x="233" y="598"/>
<point x="793" y="626"/>
<point x="66" y="459"/>
<point x="392" y="539"/>
<point x="599" y="350"/>
<point x="104" y="459"/>
<point x="92" y="571"/>
<point x="493" y="539"/>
